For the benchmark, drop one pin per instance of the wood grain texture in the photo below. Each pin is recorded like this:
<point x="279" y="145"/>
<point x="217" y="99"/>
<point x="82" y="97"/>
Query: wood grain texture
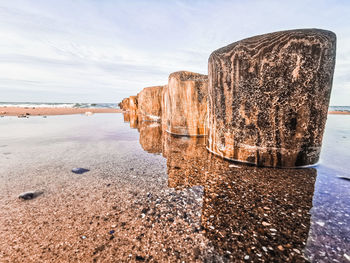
<point x="133" y="103"/>
<point x="149" y="103"/>
<point x="124" y="104"/>
<point x="268" y="97"/>
<point x="165" y="107"/>
<point x="185" y="103"/>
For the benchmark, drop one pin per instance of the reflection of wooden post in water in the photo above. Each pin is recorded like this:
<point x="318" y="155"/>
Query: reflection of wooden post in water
<point x="126" y="116"/>
<point x="185" y="108"/>
<point x="151" y="136"/>
<point x="186" y="160"/>
<point x="260" y="214"/>
<point x="268" y="97"/>
<point x="134" y="120"/>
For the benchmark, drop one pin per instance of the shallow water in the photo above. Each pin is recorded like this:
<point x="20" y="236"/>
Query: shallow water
<point x="150" y="196"/>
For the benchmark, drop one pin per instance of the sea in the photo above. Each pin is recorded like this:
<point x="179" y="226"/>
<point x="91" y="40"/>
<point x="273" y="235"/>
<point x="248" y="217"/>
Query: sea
<point x="59" y="105"/>
<point x="340" y="108"/>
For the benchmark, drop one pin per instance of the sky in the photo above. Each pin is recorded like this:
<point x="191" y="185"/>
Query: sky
<point x="105" y="50"/>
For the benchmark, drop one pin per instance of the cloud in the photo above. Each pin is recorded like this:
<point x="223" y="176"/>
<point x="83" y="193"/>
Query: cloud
<point x="89" y="50"/>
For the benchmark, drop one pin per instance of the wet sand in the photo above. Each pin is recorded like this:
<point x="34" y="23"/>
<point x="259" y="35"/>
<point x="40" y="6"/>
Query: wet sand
<point x="339" y="112"/>
<point x="42" y="111"/>
<point x="152" y="197"/>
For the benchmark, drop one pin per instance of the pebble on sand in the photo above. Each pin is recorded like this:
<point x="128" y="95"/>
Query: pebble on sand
<point x="29" y="195"/>
<point x="281" y="248"/>
<point x="79" y="170"/>
<point x="344" y="177"/>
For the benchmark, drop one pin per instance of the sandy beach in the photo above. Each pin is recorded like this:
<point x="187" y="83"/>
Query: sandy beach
<point x="45" y="111"/>
<point x="182" y="204"/>
<point x="339" y="112"/>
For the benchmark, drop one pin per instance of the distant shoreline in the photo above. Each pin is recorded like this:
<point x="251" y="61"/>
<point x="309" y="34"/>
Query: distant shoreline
<point x="45" y="111"/>
<point x="339" y="112"/>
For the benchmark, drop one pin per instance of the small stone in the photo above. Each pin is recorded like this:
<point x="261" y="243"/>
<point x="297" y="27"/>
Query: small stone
<point x="29" y="195"/>
<point x="281" y="248"/>
<point x="344" y="177"/>
<point x="347" y="257"/>
<point x="266" y="224"/>
<point x="273" y="230"/>
<point x="79" y="170"/>
<point x="264" y="248"/>
<point x="233" y="166"/>
<point x="139" y="258"/>
<point x="246" y="257"/>
<point x="320" y="223"/>
<point x="296" y="250"/>
<point x="83" y="237"/>
<point x="144" y="210"/>
<point x="111" y="232"/>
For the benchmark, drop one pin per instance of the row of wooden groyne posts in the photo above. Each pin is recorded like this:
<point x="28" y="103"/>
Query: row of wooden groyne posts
<point x="264" y="102"/>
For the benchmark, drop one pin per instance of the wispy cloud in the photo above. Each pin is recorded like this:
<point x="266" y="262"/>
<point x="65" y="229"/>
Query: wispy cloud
<point x="89" y="50"/>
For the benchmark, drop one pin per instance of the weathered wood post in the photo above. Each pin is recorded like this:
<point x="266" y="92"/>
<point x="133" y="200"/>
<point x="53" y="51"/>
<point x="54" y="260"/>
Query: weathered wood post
<point x="165" y="107"/>
<point x="149" y="103"/>
<point x="186" y="109"/>
<point x="268" y="97"/>
<point x="124" y="105"/>
<point x="133" y="103"/>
